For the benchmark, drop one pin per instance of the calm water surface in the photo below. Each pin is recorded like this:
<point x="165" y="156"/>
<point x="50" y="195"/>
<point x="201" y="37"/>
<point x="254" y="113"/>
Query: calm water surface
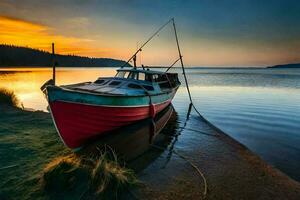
<point x="258" y="107"/>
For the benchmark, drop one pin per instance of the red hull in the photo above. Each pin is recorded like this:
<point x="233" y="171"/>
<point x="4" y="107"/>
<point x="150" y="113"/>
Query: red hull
<point x="77" y="123"/>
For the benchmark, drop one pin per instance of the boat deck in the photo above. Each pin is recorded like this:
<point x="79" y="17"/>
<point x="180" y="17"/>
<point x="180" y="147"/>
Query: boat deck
<point x="113" y="86"/>
<point x="130" y="82"/>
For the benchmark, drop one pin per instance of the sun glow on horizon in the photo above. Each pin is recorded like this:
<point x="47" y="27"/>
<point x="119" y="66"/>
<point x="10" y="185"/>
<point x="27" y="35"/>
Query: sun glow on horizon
<point x="95" y="34"/>
<point x="24" y="33"/>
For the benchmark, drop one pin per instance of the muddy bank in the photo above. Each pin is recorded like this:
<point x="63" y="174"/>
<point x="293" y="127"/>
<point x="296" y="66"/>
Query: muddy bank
<point x="168" y="167"/>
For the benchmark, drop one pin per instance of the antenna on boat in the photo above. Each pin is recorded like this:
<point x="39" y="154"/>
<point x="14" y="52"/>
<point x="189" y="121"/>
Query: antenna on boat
<point x="53" y="64"/>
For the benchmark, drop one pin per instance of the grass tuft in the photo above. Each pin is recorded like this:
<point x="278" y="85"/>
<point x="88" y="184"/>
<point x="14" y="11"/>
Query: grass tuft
<point x="99" y="177"/>
<point x="108" y="177"/>
<point x="8" y="97"/>
<point x="64" y="173"/>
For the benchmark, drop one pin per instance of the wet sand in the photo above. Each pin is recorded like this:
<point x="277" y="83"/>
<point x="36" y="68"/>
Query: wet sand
<point x="231" y="171"/>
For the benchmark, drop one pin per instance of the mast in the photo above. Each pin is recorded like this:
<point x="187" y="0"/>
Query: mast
<point x="53" y="64"/>
<point x="181" y="61"/>
<point x="133" y="57"/>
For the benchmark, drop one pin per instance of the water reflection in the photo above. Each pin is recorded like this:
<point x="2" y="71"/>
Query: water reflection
<point x="26" y="82"/>
<point x="136" y="139"/>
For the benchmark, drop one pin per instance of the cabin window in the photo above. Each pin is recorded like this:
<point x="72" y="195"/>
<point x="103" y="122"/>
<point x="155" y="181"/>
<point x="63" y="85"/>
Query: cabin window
<point x="173" y="78"/>
<point x="162" y="80"/>
<point x="134" y="86"/>
<point x="142" y="76"/>
<point x="99" y="81"/>
<point x="133" y="75"/>
<point x="122" y="74"/>
<point x="114" y="83"/>
<point x="155" y="77"/>
<point x="148" y="77"/>
<point x="148" y="87"/>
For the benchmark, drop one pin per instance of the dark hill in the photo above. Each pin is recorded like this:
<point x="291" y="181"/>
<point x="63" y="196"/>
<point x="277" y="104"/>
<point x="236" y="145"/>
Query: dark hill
<point x="23" y="56"/>
<point x="295" y="65"/>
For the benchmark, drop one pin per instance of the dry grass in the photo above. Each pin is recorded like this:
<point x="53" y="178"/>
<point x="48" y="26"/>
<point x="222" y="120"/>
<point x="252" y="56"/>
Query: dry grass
<point x="100" y="177"/>
<point x="8" y="97"/>
<point x="64" y="173"/>
<point x="108" y="177"/>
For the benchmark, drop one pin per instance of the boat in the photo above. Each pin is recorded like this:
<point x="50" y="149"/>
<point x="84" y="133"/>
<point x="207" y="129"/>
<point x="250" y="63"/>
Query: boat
<point x="85" y="110"/>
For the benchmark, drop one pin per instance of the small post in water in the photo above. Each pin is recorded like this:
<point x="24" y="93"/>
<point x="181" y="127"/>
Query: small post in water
<point x="53" y="64"/>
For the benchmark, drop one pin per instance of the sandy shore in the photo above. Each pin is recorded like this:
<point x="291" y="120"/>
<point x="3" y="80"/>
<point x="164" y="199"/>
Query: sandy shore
<point x="28" y="141"/>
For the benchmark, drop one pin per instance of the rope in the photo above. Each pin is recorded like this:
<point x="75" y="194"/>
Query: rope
<point x="181" y="61"/>
<point x="191" y="163"/>
<point x="191" y="105"/>
<point x="172" y="64"/>
<point x="189" y="93"/>
<point x="150" y="101"/>
<point x="187" y="84"/>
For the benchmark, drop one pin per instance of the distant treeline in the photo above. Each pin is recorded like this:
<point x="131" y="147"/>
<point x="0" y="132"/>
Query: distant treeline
<point x="22" y="56"/>
<point x="295" y="65"/>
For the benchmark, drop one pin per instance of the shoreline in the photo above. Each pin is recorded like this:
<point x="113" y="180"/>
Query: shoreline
<point x="231" y="170"/>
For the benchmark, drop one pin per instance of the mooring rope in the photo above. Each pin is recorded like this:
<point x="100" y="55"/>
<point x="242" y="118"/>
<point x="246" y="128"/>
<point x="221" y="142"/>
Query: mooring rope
<point x="190" y="162"/>
<point x="191" y="105"/>
<point x="187" y="87"/>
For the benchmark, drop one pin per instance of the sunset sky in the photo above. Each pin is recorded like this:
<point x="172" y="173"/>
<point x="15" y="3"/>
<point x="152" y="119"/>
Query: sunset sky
<point x="212" y="33"/>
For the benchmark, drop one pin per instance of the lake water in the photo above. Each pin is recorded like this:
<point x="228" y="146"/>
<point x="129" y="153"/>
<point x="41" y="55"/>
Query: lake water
<point x="258" y="107"/>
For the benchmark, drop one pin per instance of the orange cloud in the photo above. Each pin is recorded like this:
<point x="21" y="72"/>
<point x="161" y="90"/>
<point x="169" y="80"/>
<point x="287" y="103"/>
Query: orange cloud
<point x="24" y="33"/>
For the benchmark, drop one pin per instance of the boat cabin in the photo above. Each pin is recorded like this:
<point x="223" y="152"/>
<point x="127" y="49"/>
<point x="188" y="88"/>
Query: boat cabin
<point x="131" y="82"/>
<point x="164" y="80"/>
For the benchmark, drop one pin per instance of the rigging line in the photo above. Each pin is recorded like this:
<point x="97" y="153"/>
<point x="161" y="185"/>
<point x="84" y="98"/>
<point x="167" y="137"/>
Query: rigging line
<point x="152" y="36"/>
<point x="187" y="85"/>
<point x="140" y="55"/>
<point x="181" y="61"/>
<point x="172" y="65"/>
